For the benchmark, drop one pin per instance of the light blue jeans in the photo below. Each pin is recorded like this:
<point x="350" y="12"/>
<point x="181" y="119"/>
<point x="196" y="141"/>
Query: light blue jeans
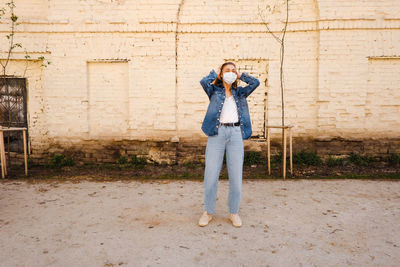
<point x="229" y="138"/>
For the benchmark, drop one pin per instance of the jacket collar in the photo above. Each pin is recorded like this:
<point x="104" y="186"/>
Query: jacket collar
<point x="233" y="90"/>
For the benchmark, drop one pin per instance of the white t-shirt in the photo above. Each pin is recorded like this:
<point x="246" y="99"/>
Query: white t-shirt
<point x="229" y="111"/>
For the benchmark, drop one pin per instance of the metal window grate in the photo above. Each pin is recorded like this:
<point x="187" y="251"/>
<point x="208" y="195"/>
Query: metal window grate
<point x="13" y="111"/>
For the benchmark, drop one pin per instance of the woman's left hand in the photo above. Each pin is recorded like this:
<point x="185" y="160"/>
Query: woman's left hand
<point x="238" y="74"/>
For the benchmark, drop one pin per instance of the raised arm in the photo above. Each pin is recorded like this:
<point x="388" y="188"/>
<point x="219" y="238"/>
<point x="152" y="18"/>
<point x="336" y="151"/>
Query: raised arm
<point x="206" y="82"/>
<point x="252" y="82"/>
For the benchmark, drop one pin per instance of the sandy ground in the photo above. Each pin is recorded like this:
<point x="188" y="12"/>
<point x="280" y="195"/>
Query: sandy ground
<point x="133" y="223"/>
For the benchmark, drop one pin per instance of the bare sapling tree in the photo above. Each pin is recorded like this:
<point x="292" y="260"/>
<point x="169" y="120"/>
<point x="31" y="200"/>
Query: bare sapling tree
<point x="281" y="41"/>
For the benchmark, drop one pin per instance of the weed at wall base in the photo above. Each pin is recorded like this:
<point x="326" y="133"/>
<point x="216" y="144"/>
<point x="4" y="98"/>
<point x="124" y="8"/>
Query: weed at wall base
<point x="58" y="161"/>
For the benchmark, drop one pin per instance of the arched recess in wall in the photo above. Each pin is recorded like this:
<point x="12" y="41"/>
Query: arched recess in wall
<point x="197" y="28"/>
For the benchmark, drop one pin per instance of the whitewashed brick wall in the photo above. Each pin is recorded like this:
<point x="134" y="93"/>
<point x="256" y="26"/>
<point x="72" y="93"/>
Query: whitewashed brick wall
<point x="341" y="66"/>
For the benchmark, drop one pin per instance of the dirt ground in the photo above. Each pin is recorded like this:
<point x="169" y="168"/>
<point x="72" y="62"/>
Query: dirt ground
<point x="150" y="223"/>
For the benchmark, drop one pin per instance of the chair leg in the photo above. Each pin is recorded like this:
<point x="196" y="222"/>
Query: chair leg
<point x="25" y="153"/>
<point x="269" y="150"/>
<point x="284" y="153"/>
<point x="3" y="166"/>
<point x="291" y="151"/>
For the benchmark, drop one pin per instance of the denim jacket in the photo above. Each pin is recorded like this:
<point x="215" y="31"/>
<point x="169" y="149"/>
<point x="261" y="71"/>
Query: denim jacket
<point x="216" y="96"/>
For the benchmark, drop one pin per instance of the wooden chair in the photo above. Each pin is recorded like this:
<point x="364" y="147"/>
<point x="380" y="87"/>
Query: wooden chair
<point x="285" y="129"/>
<point x="3" y="152"/>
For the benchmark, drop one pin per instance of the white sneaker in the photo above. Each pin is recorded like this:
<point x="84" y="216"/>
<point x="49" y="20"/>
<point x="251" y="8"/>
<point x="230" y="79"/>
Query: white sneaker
<point x="235" y="219"/>
<point x="205" y="219"/>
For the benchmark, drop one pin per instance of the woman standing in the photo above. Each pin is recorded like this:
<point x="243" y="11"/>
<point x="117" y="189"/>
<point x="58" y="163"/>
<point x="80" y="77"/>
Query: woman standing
<point x="227" y="124"/>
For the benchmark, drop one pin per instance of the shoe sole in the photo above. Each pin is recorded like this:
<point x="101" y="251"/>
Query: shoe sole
<point x="206" y="223"/>
<point x="234" y="224"/>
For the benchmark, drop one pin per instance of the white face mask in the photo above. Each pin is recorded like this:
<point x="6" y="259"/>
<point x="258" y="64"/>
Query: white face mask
<point x="229" y="77"/>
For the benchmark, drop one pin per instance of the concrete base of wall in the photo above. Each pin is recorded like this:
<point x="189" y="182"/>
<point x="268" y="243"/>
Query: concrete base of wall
<point x="163" y="152"/>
